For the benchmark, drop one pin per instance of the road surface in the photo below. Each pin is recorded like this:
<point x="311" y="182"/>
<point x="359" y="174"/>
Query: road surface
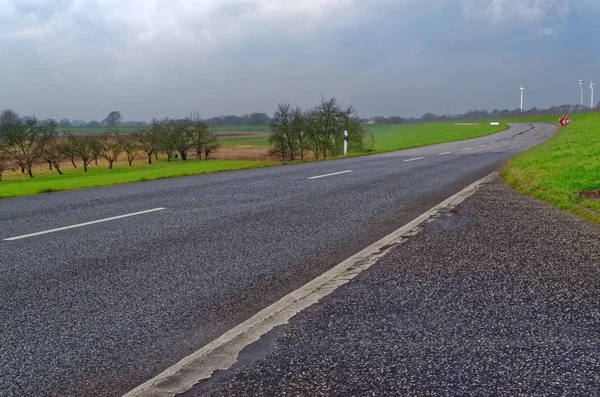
<point x="100" y="308"/>
<point x="498" y="297"/>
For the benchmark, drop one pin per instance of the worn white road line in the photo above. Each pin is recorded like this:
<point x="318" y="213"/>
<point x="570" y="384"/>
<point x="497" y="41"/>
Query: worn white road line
<point x="415" y="159"/>
<point x="467" y="148"/>
<point x="441" y="154"/>
<point x="223" y="352"/>
<point x="82" y="224"/>
<point x="326" y="175"/>
<point x="483" y="144"/>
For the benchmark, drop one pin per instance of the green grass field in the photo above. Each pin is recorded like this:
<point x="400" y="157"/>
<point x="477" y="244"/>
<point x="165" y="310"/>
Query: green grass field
<point x="559" y="169"/>
<point x="122" y="173"/>
<point x="256" y="141"/>
<point x="241" y="128"/>
<point x="395" y="137"/>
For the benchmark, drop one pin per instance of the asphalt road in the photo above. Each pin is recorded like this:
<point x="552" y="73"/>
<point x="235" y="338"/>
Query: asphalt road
<point x="99" y="309"/>
<point x="498" y="297"/>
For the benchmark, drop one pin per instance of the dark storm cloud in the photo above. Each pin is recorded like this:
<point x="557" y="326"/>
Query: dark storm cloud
<point x="81" y="59"/>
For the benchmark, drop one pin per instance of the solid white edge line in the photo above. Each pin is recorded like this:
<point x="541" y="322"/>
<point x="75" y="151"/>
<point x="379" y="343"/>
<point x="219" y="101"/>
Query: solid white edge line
<point x="222" y="353"/>
<point x="415" y="159"/>
<point x="441" y="154"/>
<point x="335" y="173"/>
<point x="82" y="224"/>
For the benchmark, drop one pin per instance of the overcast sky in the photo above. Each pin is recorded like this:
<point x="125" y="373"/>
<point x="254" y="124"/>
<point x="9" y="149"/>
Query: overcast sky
<point x="156" y="58"/>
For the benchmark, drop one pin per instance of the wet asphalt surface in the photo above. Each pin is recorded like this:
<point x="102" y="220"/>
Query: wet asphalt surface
<point x="499" y="297"/>
<point x="98" y="310"/>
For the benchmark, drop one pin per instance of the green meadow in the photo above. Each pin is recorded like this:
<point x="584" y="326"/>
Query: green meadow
<point x="96" y="176"/>
<point x="395" y="137"/>
<point x="559" y="169"/>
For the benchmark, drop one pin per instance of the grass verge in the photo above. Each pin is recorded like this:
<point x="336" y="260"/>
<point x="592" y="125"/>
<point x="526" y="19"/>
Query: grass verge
<point x="558" y="170"/>
<point x="77" y="179"/>
<point x="390" y="137"/>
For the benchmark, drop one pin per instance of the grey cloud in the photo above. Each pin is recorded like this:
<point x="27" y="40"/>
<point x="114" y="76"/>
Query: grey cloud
<point x="157" y="58"/>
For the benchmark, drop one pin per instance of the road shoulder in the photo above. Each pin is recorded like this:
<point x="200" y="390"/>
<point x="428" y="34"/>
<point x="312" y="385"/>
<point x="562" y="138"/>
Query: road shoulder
<point x="498" y="296"/>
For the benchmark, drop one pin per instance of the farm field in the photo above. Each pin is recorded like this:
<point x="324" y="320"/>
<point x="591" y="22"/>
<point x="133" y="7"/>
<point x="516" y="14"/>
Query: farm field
<point x="46" y="182"/>
<point x="221" y="129"/>
<point x="404" y="136"/>
<point x="255" y="140"/>
<point x="241" y="135"/>
<point x="559" y="170"/>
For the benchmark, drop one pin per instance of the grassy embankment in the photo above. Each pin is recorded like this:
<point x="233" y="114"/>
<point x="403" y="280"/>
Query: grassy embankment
<point x="558" y="170"/>
<point x="396" y="137"/>
<point x="121" y="173"/>
<point x="387" y="137"/>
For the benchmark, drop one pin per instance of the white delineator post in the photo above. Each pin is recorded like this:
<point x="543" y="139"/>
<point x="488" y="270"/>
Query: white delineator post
<point x="345" y="143"/>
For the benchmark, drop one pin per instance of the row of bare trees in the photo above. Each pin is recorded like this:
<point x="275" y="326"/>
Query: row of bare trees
<point x="319" y="131"/>
<point x="27" y="142"/>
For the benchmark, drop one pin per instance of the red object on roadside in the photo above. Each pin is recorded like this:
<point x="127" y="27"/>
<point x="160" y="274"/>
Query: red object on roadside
<point x="562" y="121"/>
<point x="554" y="115"/>
<point x="536" y="116"/>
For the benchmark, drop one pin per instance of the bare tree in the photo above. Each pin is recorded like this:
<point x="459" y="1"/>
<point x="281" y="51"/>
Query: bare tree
<point x="282" y="142"/>
<point x="20" y="140"/>
<point x="52" y="151"/>
<point x="70" y="148"/>
<point x="329" y="126"/>
<point x="205" y="140"/>
<point x="3" y="160"/>
<point x="165" y="132"/>
<point x="183" y="136"/>
<point x="131" y="149"/>
<point x="110" y="146"/>
<point x="313" y="140"/>
<point x="84" y="147"/>
<point x="200" y="130"/>
<point x="298" y="131"/>
<point x="149" y="142"/>
<point x="320" y="130"/>
<point x="210" y="143"/>
<point x="113" y="119"/>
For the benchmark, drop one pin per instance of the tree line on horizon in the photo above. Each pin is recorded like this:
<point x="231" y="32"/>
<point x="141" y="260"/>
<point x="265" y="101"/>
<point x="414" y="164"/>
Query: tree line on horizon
<point x="264" y="119"/>
<point x="479" y="114"/>
<point x="25" y="141"/>
<point x="246" y="119"/>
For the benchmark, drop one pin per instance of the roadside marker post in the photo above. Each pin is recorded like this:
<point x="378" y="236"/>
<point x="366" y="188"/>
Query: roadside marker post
<point x="564" y="122"/>
<point x="345" y="143"/>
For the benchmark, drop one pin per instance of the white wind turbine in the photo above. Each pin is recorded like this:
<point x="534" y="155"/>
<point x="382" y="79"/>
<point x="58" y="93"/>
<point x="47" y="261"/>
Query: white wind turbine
<point x="522" y="90"/>
<point x="592" y="85"/>
<point x="581" y="81"/>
